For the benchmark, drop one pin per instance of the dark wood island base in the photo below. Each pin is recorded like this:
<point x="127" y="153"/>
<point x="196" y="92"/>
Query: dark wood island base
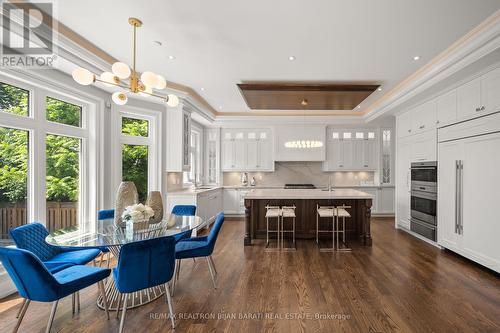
<point x="357" y="226"/>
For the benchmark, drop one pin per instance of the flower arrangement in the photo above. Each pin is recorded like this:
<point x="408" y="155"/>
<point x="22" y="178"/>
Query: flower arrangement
<point x="137" y="213"/>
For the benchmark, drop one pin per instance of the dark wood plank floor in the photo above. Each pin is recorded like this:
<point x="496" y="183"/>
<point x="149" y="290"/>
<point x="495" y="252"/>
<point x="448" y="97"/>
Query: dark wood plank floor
<point x="401" y="284"/>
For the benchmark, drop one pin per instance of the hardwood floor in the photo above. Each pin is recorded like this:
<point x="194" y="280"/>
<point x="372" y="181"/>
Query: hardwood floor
<point x="400" y="284"/>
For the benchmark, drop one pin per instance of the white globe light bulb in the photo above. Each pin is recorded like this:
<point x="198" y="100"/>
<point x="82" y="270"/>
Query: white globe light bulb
<point x="161" y="83"/>
<point x="173" y="100"/>
<point x="149" y="79"/>
<point x="109" y="79"/>
<point x="83" y="76"/>
<point x="119" y="98"/>
<point x="121" y="70"/>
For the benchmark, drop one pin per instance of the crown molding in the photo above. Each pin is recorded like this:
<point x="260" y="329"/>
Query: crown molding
<point x="479" y="42"/>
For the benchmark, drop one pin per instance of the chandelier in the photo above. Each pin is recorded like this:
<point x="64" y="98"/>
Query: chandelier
<point x="304" y="144"/>
<point x="121" y="72"/>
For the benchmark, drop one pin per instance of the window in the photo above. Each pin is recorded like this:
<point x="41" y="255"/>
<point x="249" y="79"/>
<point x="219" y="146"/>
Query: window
<point x="135" y="153"/>
<point x="194" y="173"/>
<point x="386" y="156"/>
<point x="371" y="135"/>
<point x="347" y="135"/>
<point x="14" y="100"/>
<point x="335" y="135"/>
<point x="14" y="155"/>
<point x="62" y="181"/>
<point x="48" y="186"/>
<point x="63" y="112"/>
<point x="360" y="135"/>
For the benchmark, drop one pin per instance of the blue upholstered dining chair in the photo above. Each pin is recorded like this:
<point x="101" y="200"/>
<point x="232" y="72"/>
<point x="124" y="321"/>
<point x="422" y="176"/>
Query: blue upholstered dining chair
<point x="199" y="247"/>
<point x="183" y="210"/>
<point x="142" y="265"/>
<point x="35" y="283"/>
<point x="31" y="237"/>
<point x="102" y="215"/>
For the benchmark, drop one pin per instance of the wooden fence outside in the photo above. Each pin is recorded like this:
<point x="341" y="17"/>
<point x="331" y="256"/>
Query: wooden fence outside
<point x="59" y="215"/>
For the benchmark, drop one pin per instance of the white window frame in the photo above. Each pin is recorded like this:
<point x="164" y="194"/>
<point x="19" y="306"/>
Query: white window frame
<point x="153" y="141"/>
<point x="37" y="126"/>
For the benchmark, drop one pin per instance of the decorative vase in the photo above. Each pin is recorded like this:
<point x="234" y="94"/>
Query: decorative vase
<point x="126" y="196"/>
<point x="155" y="201"/>
<point x="137" y="225"/>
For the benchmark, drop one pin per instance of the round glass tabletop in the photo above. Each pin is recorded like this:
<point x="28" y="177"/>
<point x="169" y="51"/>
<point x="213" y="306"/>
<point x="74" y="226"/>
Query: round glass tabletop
<point x="111" y="235"/>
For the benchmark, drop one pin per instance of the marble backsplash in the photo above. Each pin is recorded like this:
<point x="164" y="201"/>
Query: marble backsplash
<point x="302" y="173"/>
<point x="174" y="181"/>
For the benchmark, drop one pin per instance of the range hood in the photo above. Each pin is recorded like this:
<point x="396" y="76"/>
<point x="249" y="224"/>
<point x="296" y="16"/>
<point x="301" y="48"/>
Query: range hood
<point x="289" y="133"/>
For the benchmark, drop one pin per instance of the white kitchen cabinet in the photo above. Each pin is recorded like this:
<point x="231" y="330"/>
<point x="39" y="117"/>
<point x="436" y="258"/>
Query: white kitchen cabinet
<point x="467" y="214"/>
<point x="423" y="117"/>
<point x="351" y="150"/>
<point x="469" y="98"/>
<point x="403" y="163"/>
<point x="403" y="125"/>
<point x="385" y="197"/>
<point x="234" y="200"/>
<point x="230" y="201"/>
<point x="490" y="91"/>
<point x="447" y="108"/>
<point x="208" y="203"/>
<point x="178" y="138"/>
<point x="424" y="146"/>
<point x="212" y="155"/>
<point x="247" y="150"/>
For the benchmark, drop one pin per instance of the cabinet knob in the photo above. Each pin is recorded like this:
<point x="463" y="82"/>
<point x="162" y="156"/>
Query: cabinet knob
<point x="478" y="109"/>
<point x="422" y="127"/>
<point x="366" y="166"/>
<point x="341" y="166"/>
<point x="437" y="121"/>
<point x="482" y="108"/>
<point x="409" y="131"/>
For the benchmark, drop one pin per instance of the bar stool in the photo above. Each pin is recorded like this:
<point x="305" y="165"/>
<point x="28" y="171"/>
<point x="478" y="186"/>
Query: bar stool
<point x="341" y="212"/>
<point x="288" y="212"/>
<point x="325" y="212"/>
<point x="273" y="212"/>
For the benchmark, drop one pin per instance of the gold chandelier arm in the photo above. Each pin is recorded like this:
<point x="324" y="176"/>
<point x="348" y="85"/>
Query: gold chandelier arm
<point x="112" y="83"/>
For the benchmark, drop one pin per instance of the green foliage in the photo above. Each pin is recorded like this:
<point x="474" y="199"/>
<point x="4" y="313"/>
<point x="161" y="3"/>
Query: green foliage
<point x="135" y="168"/>
<point x="135" y="127"/>
<point x="62" y="152"/>
<point x="63" y="112"/>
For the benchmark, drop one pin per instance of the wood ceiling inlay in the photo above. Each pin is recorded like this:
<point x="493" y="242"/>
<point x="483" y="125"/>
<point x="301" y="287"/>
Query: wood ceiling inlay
<point x="288" y="96"/>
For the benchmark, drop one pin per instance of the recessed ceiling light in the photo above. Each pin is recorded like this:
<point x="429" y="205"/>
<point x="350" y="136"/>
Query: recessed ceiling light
<point x="416" y="58"/>
<point x="171" y="57"/>
<point x="220" y="107"/>
<point x="359" y="106"/>
<point x="379" y="88"/>
<point x="202" y="89"/>
<point x="291" y="58"/>
<point x="157" y="42"/>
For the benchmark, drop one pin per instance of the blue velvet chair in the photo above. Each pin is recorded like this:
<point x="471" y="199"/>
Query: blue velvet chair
<point x="199" y="247"/>
<point x="35" y="283"/>
<point x="184" y="210"/>
<point x="31" y="237"/>
<point x="142" y="265"/>
<point x="102" y="215"/>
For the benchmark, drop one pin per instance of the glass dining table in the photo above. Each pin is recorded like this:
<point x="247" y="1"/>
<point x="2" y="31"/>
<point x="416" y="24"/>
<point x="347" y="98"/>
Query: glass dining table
<point x="114" y="237"/>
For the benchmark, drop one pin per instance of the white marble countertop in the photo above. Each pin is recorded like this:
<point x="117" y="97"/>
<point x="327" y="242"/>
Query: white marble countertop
<point x="307" y="194"/>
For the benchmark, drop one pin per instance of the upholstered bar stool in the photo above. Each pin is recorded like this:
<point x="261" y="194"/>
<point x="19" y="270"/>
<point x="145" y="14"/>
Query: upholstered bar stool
<point x="325" y="212"/>
<point x="288" y="212"/>
<point x="271" y="213"/>
<point x="341" y="213"/>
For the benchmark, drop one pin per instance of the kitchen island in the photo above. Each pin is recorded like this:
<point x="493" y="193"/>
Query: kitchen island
<point x="305" y="200"/>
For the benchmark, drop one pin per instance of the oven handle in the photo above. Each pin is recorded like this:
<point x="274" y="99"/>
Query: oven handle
<point x="424" y="168"/>
<point x="424" y="195"/>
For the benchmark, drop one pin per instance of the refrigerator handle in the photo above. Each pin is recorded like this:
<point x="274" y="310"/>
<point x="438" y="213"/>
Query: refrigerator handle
<point x="461" y="221"/>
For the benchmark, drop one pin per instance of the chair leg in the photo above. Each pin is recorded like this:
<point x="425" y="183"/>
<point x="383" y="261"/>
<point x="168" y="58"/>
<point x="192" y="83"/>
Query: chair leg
<point x="100" y="284"/>
<point x="176" y="274"/>
<point x="213" y="265"/>
<point x="78" y="300"/>
<point x="52" y="315"/>
<point x="109" y="258"/>
<point x="211" y="272"/>
<point x="21" y="307"/>
<point x="169" y="301"/>
<point x="120" y="300"/>
<point x="21" y="314"/>
<point x="124" y="310"/>
<point x="73" y="303"/>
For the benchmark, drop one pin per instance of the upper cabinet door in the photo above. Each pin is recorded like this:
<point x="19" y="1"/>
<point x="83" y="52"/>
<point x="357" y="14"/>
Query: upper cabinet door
<point x="447" y="107"/>
<point x="404" y="124"/>
<point x="469" y="99"/>
<point x="490" y="91"/>
<point x="423" y="117"/>
<point x="227" y="155"/>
